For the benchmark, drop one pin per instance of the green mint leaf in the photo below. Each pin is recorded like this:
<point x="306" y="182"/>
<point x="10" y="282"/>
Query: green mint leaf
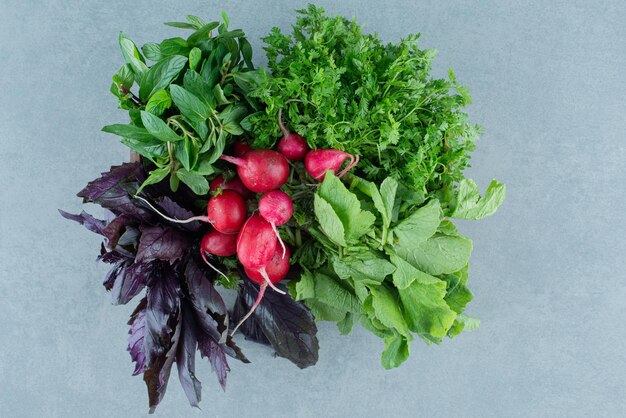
<point x="405" y="274"/>
<point x="152" y="51"/>
<point x="420" y="225"/>
<point x="160" y="75"/>
<point x="195" y="55"/>
<point x="219" y="95"/>
<point x="329" y="221"/>
<point x="204" y="168"/>
<point x="387" y="309"/>
<point x="180" y="25"/>
<point x="129" y="131"/>
<point x="196" y="182"/>
<point x="195" y="21"/>
<point x="246" y="52"/>
<point x="425" y="309"/>
<point x="155" y="176"/>
<point x="132" y="56"/>
<point x="346" y="205"/>
<point x="440" y="254"/>
<point x="396" y="353"/>
<point x="189" y="105"/>
<point x="196" y="85"/>
<point x="202" y="33"/>
<point x="469" y="204"/>
<point x="124" y="76"/>
<point x="158" y="128"/>
<point x="159" y="102"/>
<point x="183" y="152"/>
<point x="174" y="46"/>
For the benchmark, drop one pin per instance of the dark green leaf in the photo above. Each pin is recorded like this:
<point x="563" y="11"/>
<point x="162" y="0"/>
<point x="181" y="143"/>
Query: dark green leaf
<point x="158" y="128"/>
<point x="159" y="102"/>
<point x="160" y="75"/>
<point x="129" y="131"/>
<point x="196" y="182"/>
<point x="189" y="105"/>
<point x="195" y="55"/>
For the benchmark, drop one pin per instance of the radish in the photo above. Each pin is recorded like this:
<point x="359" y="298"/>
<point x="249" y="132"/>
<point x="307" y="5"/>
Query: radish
<point x="232" y="184"/>
<point x="291" y="145"/>
<point x="276" y="208"/>
<point x="256" y="245"/>
<point x="217" y="243"/>
<point x="318" y="161"/>
<point x="261" y="170"/>
<point x="225" y="211"/>
<point x="276" y="270"/>
<point x="241" y="148"/>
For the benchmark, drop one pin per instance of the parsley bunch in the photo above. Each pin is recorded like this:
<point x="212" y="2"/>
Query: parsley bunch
<point x="347" y="90"/>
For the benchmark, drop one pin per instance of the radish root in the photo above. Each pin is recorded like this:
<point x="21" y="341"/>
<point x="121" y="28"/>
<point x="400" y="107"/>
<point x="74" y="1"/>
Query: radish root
<point x="353" y="161"/>
<point x="269" y="282"/>
<point x="256" y="303"/>
<point x="212" y="266"/>
<point x="282" y="244"/>
<point x="178" y="221"/>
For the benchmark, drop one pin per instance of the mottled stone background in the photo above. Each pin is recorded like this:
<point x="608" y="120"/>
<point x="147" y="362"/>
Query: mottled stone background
<point x="548" y="270"/>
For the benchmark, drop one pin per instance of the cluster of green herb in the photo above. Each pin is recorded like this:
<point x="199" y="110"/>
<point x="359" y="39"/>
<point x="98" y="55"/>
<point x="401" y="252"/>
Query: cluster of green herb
<point x="347" y="90"/>
<point x="190" y="102"/>
<point x="383" y="251"/>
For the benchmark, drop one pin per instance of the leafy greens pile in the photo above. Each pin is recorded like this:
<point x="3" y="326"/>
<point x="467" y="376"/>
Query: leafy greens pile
<point x="375" y="247"/>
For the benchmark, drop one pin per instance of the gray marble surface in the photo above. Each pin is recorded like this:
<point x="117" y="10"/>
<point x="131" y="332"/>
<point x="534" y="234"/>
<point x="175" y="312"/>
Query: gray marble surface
<point x="548" y="270"/>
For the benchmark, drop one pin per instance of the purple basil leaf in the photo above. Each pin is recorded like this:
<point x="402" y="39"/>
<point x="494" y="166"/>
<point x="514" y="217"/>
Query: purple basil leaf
<point x="97" y="188"/>
<point x="137" y="333"/>
<point x="117" y="271"/>
<point x="186" y="357"/>
<point x="132" y="281"/>
<point x="157" y="376"/>
<point x="215" y="353"/>
<point x="211" y="313"/>
<point x="109" y="190"/>
<point x="160" y="243"/>
<point x="130" y="237"/>
<point x="161" y="312"/>
<point x="250" y="328"/>
<point x="174" y="210"/>
<point x="115" y="255"/>
<point x="287" y="324"/>
<point x="231" y="349"/>
<point x="86" y="220"/>
<point x="114" y="229"/>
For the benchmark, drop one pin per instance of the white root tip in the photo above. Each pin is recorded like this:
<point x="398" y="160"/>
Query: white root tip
<point x="269" y="282"/>
<point x="178" y="221"/>
<point x="256" y="303"/>
<point x="354" y="160"/>
<point x="282" y="244"/>
<point x="212" y="266"/>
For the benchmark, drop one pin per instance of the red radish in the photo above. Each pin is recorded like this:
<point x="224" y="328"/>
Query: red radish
<point x="291" y="145"/>
<point x="225" y="211"/>
<point x="256" y="245"/>
<point x="241" y="148"/>
<point x="276" y="208"/>
<point x="318" y="161"/>
<point x="276" y="270"/>
<point x="217" y="243"/>
<point x="261" y="170"/>
<point x="232" y="184"/>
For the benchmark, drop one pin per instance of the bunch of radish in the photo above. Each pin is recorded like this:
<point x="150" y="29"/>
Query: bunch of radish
<point x="255" y="239"/>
